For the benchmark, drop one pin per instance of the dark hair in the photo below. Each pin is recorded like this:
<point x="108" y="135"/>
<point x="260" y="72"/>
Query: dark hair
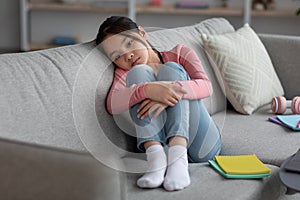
<point x="119" y="25"/>
<point x="115" y="25"/>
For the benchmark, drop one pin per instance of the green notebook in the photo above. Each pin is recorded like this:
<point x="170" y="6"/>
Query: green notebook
<point x="244" y="176"/>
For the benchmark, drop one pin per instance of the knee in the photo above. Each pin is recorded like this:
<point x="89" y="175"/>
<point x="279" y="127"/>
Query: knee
<point x="138" y="74"/>
<point x="141" y="68"/>
<point x="172" y="71"/>
<point x="173" y="65"/>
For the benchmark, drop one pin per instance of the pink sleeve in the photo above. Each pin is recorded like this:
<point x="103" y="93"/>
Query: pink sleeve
<point x="199" y="86"/>
<point x="120" y="98"/>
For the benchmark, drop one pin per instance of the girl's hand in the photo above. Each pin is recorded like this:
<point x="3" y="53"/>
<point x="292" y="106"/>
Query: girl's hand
<point x="148" y="106"/>
<point x="163" y="92"/>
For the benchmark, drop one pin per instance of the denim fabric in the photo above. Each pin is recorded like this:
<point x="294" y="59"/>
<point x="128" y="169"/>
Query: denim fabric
<point x="188" y="118"/>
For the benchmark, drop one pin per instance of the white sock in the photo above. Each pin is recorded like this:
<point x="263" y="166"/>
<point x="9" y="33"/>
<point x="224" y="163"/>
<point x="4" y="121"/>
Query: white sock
<point x="157" y="161"/>
<point x="177" y="176"/>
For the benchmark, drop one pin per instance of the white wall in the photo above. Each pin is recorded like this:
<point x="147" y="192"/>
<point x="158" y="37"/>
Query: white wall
<point x="46" y="25"/>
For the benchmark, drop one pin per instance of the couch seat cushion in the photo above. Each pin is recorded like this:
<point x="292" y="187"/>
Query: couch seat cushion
<point x="208" y="184"/>
<point x="254" y="134"/>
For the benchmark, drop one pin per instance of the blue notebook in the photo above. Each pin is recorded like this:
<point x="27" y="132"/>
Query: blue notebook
<point x="290" y="121"/>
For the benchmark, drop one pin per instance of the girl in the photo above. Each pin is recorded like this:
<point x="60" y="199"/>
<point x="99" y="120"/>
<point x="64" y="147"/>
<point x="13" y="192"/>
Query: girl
<point x="163" y="92"/>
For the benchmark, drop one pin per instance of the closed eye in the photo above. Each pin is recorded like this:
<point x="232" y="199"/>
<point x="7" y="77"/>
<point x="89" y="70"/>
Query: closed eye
<point x="130" y="43"/>
<point x="116" y="58"/>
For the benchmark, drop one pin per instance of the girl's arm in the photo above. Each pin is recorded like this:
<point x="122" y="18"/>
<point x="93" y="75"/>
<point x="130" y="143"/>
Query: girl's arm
<point x="120" y="97"/>
<point x="199" y="86"/>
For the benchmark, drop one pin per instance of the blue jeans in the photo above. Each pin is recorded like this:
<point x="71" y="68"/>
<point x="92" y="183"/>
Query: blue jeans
<point x="188" y="118"/>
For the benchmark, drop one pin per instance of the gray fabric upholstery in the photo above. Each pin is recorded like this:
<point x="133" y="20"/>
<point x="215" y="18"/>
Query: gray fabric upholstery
<point x="207" y="184"/>
<point x="40" y="87"/>
<point x="36" y="96"/>
<point x="255" y="134"/>
<point x="30" y="172"/>
<point x="284" y="53"/>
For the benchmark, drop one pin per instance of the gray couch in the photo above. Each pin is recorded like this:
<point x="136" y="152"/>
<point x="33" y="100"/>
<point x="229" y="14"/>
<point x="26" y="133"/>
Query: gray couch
<point x="58" y="142"/>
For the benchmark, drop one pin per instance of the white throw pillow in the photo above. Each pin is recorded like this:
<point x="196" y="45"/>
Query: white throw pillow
<point x="243" y="68"/>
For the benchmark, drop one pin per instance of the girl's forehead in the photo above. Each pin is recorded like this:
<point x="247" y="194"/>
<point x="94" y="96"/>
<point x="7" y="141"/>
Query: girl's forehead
<point x="113" y="38"/>
<point x="116" y="39"/>
<point x="113" y="42"/>
<point x="119" y="36"/>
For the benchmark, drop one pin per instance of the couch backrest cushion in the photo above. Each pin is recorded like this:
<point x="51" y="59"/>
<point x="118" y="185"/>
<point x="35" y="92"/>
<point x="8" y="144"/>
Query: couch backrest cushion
<point x="284" y="53"/>
<point x="36" y="96"/>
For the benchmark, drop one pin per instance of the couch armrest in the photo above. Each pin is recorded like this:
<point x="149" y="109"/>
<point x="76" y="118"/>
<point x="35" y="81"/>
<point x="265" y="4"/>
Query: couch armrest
<point x="285" y="55"/>
<point x="35" y="172"/>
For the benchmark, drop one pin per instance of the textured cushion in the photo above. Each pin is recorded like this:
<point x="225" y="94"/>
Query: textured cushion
<point x="47" y="97"/>
<point x="243" y="66"/>
<point x="36" y="96"/>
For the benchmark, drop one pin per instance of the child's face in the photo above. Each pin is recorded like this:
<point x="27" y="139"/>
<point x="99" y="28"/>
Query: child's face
<point x="126" y="51"/>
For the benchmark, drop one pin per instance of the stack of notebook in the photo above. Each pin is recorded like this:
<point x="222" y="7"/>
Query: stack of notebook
<point x="240" y="166"/>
